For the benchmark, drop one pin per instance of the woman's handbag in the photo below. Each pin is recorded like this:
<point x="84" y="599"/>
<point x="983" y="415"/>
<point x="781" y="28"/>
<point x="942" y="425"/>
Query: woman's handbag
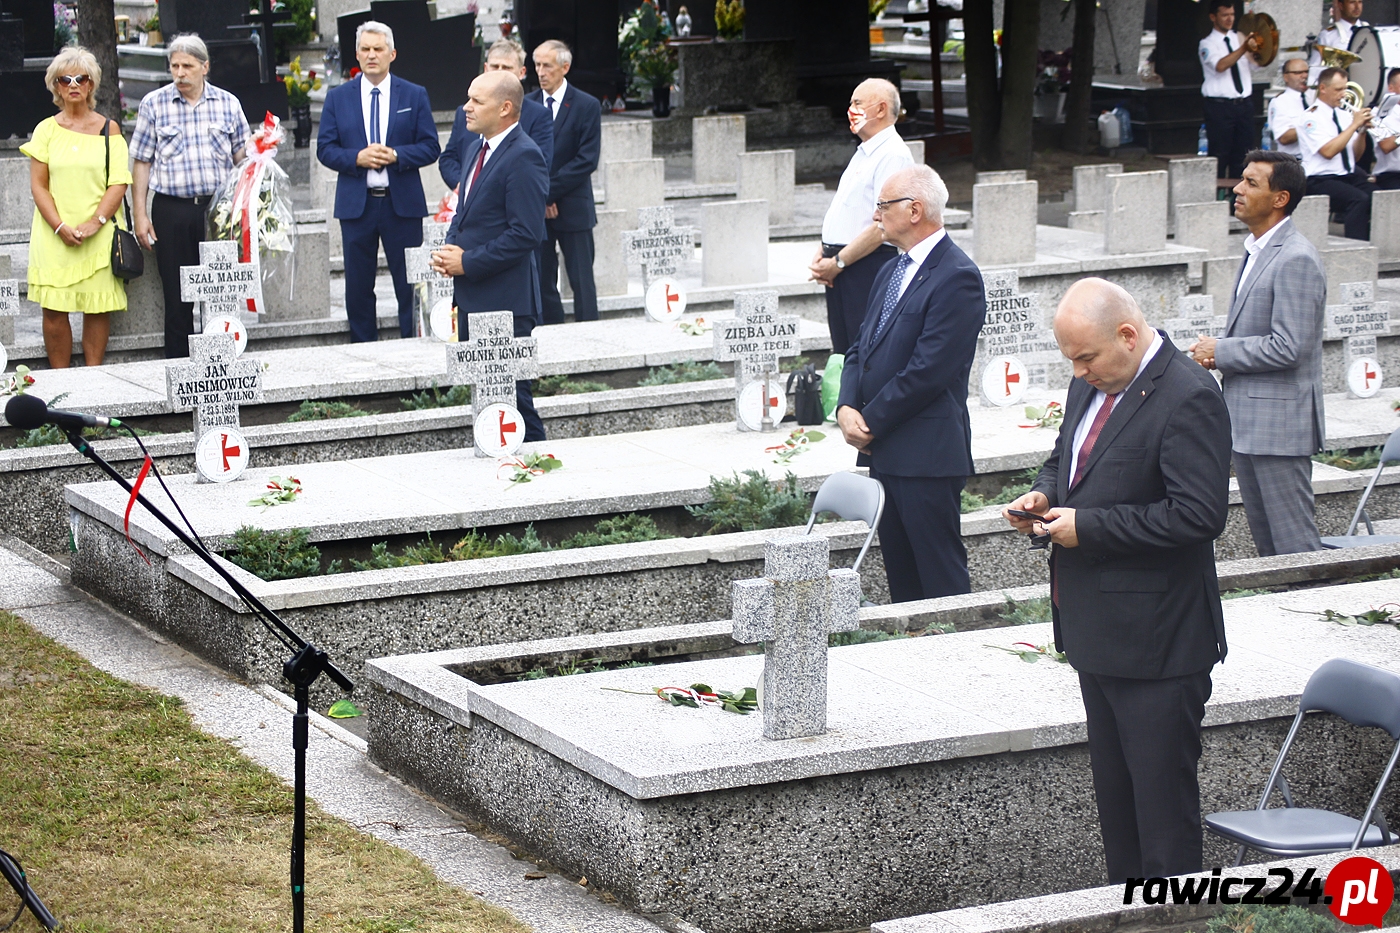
<point x="127" y="261"/>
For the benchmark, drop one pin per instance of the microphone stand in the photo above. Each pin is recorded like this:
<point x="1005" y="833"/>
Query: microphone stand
<point x="306" y="664"/>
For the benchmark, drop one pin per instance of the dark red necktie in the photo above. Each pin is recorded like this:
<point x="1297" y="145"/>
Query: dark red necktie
<point x="480" y="161"/>
<point x="1087" y="447"/>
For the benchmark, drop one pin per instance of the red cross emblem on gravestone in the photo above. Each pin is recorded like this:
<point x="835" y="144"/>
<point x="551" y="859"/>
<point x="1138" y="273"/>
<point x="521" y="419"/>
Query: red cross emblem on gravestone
<point x="229" y="329"/>
<point x="1368" y="374"/>
<point x="1009" y="377"/>
<point x="670" y="298"/>
<point x="510" y="428"/>
<point x="228" y="451"/>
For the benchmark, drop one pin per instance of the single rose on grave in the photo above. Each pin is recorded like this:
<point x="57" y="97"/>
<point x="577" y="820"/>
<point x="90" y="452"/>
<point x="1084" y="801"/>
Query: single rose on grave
<point x="528" y="467"/>
<point x="1376" y="615"/>
<point x="1031" y="653"/>
<point x="794" y="444"/>
<point x="695" y="696"/>
<point x="18" y="381"/>
<point x="1051" y="416"/>
<point x="279" y="491"/>
<point x="694" y="327"/>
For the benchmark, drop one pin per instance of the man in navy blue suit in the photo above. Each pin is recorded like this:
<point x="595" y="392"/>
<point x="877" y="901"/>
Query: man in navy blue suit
<point x="491" y="244"/>
<point x="504" y="55"/>
<point x="903" y="401"/>
<point x="569" y="217"/>
<point x="377" y="131"/>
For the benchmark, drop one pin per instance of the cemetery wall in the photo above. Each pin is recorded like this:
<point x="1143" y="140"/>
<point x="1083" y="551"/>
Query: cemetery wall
<point x="507" y="599"/>
<point x="894" y="841"/>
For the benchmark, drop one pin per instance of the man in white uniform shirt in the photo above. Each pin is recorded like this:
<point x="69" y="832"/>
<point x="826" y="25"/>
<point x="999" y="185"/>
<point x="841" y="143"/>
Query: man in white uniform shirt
<point x="1331" y="143"/>
<point x="852" y="250"/>
<point x="1346" y="16"/>
<point x="1228" y="87"/>
<point x="1387" y="156"/>
<point x="1288" y="107"/>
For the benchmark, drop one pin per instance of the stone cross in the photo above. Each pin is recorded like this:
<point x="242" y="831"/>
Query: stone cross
<point x="755" y="339"/>
<point x="659" y="245"/>
<point x="1357" y="314"/>
<point x="220" y="283"/>
<point x="491" y="360"/>
<point x="214" y="383"/>
<point x="1015" y="326"/>
<point x="1195" y="317"/>
<point x="418" y="262"/>
<point x="792" y="610"/>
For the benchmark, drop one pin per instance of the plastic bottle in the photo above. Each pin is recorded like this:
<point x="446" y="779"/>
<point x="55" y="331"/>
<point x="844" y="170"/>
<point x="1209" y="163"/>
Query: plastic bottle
<point x="1267" y="142"/>
<point x="1109" y="130"/>
<point x="1202" y="142"/>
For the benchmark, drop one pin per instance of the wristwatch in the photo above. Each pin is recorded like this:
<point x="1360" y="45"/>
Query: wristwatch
<point x="101" y="221"/>
<point x="840" y="263"/>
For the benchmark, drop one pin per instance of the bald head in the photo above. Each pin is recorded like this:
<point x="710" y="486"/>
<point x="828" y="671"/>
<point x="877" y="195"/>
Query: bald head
<point x="874" y="106"/>
<point x="493" y="102"/>
<point x="1101" y="330"/>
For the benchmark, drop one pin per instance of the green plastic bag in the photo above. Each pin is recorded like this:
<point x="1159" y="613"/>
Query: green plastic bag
<point x="831" y="383"/>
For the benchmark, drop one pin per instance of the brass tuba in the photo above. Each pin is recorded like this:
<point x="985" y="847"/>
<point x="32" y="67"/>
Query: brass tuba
<point x="1333" y="57"/>
<point x="1263" y="28"/>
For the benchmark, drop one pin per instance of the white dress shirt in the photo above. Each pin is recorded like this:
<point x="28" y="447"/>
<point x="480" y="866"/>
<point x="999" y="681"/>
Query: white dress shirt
<point x="875" y="160"/>
<point x="492" y="145"/>
<point x="1317" y="129"/>
<point x="1286" y="111"/>
<point x="1389" y="161"/>
<point x="918" y="253"/>
<point x="1338" y="36"/>
<point x="376" y="177"/>
<point x="1081" y="431"/>
<point x="1220" y="83"/>
<point x="557" y="97"/>
<point x="1252" y="247"/>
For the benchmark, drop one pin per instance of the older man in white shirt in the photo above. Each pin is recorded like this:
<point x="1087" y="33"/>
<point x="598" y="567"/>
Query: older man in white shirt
<point x="1289" y="106"/>
<point x="852" y="249"/>
<point x="1332" y="142"/>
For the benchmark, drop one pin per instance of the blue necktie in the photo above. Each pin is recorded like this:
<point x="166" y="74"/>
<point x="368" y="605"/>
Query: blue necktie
<point x="549" y="102"/>
<point x="892" y="292"/>
<point x="374" y="115"/>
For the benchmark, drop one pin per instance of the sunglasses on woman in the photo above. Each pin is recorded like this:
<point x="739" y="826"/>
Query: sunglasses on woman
<point x="73" y="80"/>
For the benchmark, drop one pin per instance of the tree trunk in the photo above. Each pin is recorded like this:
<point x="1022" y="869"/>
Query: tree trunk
<point x="97" y="32"/>
<point x="1020" y="40"/>
<point x="983" y="91"/>
<point x="1081" y="78"/>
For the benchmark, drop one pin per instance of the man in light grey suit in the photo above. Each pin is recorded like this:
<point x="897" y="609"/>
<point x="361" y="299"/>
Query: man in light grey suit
<point x="1271" y="358"/>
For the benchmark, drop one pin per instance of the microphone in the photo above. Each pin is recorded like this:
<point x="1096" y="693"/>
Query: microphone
<point x="30" y="411"/>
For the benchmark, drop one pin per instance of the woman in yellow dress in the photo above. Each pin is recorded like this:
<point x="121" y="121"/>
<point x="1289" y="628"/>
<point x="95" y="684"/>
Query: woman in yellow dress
<point x="75" y="208"/>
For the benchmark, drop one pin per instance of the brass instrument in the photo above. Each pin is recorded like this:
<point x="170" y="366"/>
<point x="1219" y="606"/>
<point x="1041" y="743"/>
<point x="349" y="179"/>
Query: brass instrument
<point x="1354" y="99"/>
<point x="1261" y="27"/>
<point x="1333" y="57"/>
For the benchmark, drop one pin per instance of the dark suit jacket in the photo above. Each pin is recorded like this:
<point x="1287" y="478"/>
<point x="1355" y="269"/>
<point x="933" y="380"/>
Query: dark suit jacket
<point x="910" y="382"/>
<point x="411" y="133"/>
<point x="534" y="120"/>
<point x="1138" y="597"/>
<point x="578" y="135"/>
<point x="499" y="227"/>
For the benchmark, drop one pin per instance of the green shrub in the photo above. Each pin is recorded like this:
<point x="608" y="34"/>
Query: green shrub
<point x="323" y="411"/>
<point x="1240" y="594"/>
<point x="860" y="637"/>
<point x="1265" y="919"/>
<point x="475" y="545"/>
<point x="436" y="398"/>
<point x="563" y="385"/>
<point x="276" y="555"/>
<point x="752" y="504"/>
<point x="1027" y="611"/>
<point x="687" y="371"/>
<point x="1359" y="459"/>
<point x="42" y="436"/>
<point x="971" y="502"/>
<point x="624" y="529"/>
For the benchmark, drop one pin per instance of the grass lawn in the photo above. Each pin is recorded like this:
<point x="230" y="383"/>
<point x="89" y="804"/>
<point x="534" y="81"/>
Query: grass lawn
<point x="127" y="817"/>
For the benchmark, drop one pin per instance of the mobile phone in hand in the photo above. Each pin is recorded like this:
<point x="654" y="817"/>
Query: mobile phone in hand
<point x="1021" y="513"/>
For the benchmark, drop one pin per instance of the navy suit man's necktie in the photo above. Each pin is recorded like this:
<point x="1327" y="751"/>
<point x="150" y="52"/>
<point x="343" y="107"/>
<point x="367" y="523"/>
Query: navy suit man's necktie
<point x="374" y="115"/>
<point x="549" y="102"/>
<point x="892" y="292"/>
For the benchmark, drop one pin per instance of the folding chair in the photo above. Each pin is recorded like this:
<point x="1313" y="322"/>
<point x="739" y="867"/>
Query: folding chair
<point x="1389" y="454"/>
<point x="1362" y="695"/>
<point x="853" y="497"/>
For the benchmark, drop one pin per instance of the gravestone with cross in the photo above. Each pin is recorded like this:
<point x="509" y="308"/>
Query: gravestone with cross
<point x="1018" y="350"/>
<point x="792" y="609"/>
<point x="755" y="339"/>
<point x="435" y="294"/>
<point x="220" y="284"/>
<point x="214" y="383"/>
<point x="491" y="360"/>
<point x="1358" y="318"/>
<point x="659" y="245"/>
<point x="9" y="306"/>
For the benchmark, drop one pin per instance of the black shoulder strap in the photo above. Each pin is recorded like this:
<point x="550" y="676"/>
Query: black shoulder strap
<point x="107" y="153"/>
